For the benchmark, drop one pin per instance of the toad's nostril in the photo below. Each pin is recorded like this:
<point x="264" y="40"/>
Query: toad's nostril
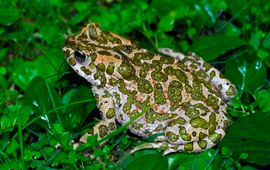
<point x="79" y="56"/>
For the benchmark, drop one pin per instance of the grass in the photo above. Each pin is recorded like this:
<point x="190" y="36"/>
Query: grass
<point x="44" y="103"/>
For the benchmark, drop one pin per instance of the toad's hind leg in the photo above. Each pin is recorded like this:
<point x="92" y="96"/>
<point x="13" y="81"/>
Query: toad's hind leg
<point x="181" y="136"/>
<point x="106" y="107"/>
<point x="226" y="89"/>
<point x="190" y="147"/>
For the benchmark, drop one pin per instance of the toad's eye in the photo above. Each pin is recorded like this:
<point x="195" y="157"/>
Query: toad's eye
<point x="79" y="56"/>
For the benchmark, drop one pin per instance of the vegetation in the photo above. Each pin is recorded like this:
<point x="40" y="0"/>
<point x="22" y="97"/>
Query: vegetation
<point x="44" y="103"/>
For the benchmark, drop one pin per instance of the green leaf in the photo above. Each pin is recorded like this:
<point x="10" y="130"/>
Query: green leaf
<point x="166" y="23"/>
<point x="166" y="6"/>
<point x="45" y="66"/>
<point x="256" y="39"/>
<point x="240" y="72"/>
<point x="75" y="114"/>
<point x="6" y="123"/>
<point x="12" y="147"/>
<point x="13" y="164"/>
<point x="205" y="160"/>
<point x="8" y="16"/>
<point x="83" y="6"/>
<point x="210" y="47"/>
<point x="262" y="99"/>
<point x="24" y="114"/>
<point x="48" y="33"/>
<point x="266" y="42"/>
<point x="43" y="98"/>
<point x="149" y="161"/>
<point x="249" y="135"/>
<point x="79" y="17"/>
<point x="240" y="8"/>
<point x="3" y="53"/>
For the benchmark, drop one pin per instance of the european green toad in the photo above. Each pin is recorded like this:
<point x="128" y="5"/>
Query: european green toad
<point x="186" y="96"/>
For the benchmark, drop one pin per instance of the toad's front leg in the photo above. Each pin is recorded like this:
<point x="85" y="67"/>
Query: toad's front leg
<point x="105" y="105"/>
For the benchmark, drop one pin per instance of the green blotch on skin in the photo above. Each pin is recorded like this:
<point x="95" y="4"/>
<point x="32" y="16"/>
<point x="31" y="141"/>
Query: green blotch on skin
<point x="188" y="88"/>
<point x="109" y="37"/>
<point x="174" y="91"/>
<point x="201" y="73"/>
<point x="197" y="91"/>
<point x="213" y="122"/>
<point x="145" y="86"/>
<point x="159" y="128"/>
<point x="207" y="66"/>
<point x="122" y="87"/>
<point x="192" y="112"/>
<point x="127" y="107"/>
<point x="156" y="65"/>
<point x="126" y="48"/>
<point x="177" y="121"/>
<point x="101" y="67"/>
<point x="184" y="135"/>
<point x="106" y="53"/>
<point x="172" y="137"/>
<point x="117" y="97"/>
<point x="117" y="57"/>
<point x="93" y="57"/>
<point x="111" y="126"/>
<point x="110" y="68"/>
<point x="103" y="130"/>
<point x="159" y="94"/>
<point x="202" y="135"/>
<point x="133" y="114"/>
<point x="144" y="56"/>
<point x="220" y="87"/>
<point x="215" y="137"/>
<point x="231" y="91"/>
<point x="188" y="147"/>
<point x="72" y="61"/>
<point x="100" y="76"/>
<point x="212" y="129"/>
<point x="212" y="118"/>
<point x="85" y="70"/>
<point x="169" y="70"/>
<point x="138" y="57"/>
<point x="194" y="66"/>
<point x="110" y="113"/>
<point x="67" y="51"/>
<point x="199" y="122"/>
<point x="197" y="86"/>
<point x="159" y="76"/>
<point x="213" y="101"/>
<point x="92" y="66"/>
<point x="151" y="116"/>
<point x="167" y="60"/>
<point x="136" y="125"/>
<point x="212" y="74"/>
<point x="144" y="70"/>
<point x="190" y="59"/>
<point x="92" y="32"/>
<point x="202" y="144"/>
<point x="113" y="82"/>
<point x="181" y="75"/>
<point x="126" y="70"/>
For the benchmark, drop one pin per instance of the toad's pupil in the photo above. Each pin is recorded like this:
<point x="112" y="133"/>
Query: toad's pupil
<point x="80" y="57"/>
